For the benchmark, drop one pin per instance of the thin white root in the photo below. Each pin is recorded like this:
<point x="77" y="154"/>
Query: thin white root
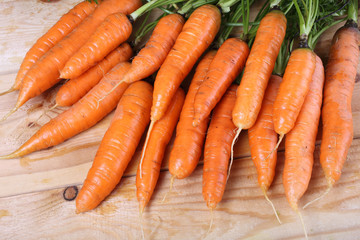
<point x="145" y="145"/>
<point x="9" y="113"/>
<point x="276" y="147"/>
<point x="318" y="198"/>
<point x="272" y="205"/>
<point x="211" y="220"/>
<point x="141" y="224"/>
<point x="232" y="152"/>
<point x="171" y="186"/>
<point x="302" y="223"/>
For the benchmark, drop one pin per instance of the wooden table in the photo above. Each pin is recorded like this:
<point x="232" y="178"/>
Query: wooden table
<point x="32" y="205"/>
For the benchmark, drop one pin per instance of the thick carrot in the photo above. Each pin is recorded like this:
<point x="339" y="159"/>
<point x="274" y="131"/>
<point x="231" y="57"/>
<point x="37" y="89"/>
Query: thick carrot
<point x="226" y="66"/>
<point x="293" y="89"/>
<point x="337" y="120"/>
<point x="76" y="88"/>
<point x="263" y="138"/>
<point x="115" y="30"/>
<point x="189" y="140"/>
<point x="258" y="68"/>
<point x="300" y="141"/>
<point x="196" y="36"/>
<point x="45" y="73"/>
<point x="153" y="154"/>
<point x="81" y="116"/>
<point x="62" y="28"/>
<point x="217" y="151"/>
<point x="120" y="141"/>
<point x="150" y="58"/>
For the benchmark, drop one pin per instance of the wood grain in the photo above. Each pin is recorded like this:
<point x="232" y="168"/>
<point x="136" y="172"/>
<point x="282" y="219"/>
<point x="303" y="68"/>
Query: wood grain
<point x="31" y="192"/>
<point x="243" y="213"/>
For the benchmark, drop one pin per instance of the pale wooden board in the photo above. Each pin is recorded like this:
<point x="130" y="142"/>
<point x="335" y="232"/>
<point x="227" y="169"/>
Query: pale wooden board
<point x="242" y="214"/>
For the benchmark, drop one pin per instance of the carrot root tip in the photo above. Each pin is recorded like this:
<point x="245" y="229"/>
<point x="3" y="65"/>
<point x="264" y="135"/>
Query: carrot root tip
<point x="318" y="198"/>
<point x="7" y="91"/>
<point x="145" y="145"/>
<point x="302" y="223"/>
<point x="232" y="152"/>
<point x="272" y="205"/>
<point x="9" y="113"/>
<point x="171" y="186"/>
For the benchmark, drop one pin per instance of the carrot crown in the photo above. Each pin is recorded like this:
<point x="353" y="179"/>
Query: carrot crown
<point x="353" y="11"/>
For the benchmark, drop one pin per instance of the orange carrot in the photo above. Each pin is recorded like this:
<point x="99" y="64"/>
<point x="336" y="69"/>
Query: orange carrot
<point x="117" y="147"/>
<point x="218" y="148"/>
<point x="337" y="120"/>
<point x="152" y="156"/>
<point x="197" y="34"/>
<point x="76" y="88"/>
<point x="263" y="138"/>
<point x="258" y="68"/>
<point x="189" y="140"/>
<point x="300" y="141"/>
<point x="81" y="116"/>
<point x="226" y="66"/>
<point x="62" y="28"/>
<point x="150" y="58"/>
<point x="115" y="30"/>
<point x="293" y="89"/>
<point x="45" y="73"/>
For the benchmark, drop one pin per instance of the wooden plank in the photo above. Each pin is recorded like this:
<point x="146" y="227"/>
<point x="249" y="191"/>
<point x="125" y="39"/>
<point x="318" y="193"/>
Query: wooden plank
<point x="243" y="213"/>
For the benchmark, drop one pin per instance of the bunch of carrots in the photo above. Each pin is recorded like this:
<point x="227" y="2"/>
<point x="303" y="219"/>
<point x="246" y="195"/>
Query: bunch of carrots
<point x="280" y="91"/>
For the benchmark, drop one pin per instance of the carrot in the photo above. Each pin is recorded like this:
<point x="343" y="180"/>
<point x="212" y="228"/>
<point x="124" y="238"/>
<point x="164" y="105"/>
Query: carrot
<point x="226" y="66"/>
<point x="62" y="28"/>
<point x="117" y="147"/>
<point x="197" y="34"/>
<point x="337" y="120"/>
<point x="217" y="152"/>
<point x="115" y="30"/>
<point x="76" y="88"/>
<point x="300" y="141"/>
<point x="152" y="156"/>
<point x="263" y="138"/>
<point x="189" y="140"/>
<point x="81" y="116"/>
<point x="45" y="73"/>
<point x="150" y="58"/>
<point x="108" y="36"/>
<point x="258" y="68"/>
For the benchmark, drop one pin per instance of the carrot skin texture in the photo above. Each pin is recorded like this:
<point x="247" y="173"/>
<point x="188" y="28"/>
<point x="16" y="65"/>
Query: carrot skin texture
<point x="258" y="69"/>
<point x="193" y="40"/>
<point x="80" y="117"/>
<point x="74" y="89"/>
<point x="189" y="140"/>
<point x="62" y="28"/>
<point x="159" y="139"/>
<point x="217" y="149"/>
<point x="115" y="30"/>
<point x="263" y="138"/>
<point x="120" y="141"/>
<point x="337" y="120"/>
<point x="150" y="58"/>
<point x="226" y="66"/>
<point x="45" y="73"/>
<point x="300" y="141"/>
<point x="293" y="89"/>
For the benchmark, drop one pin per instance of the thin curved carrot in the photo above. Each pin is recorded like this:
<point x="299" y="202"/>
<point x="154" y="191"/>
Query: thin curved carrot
<point x="150" y="163"/>
<point x="263" y="138"/>
<point x="115" y="30"/>
<point x="217" y="151"/>
<point x="120" y="141"/>
<point x="258" y="69"/>
<point x="62" y="28"/>
<point x="45" y="73"/>
<point x="74" y="89"/>
<point x="189" y="140"/>
<point x="300" y="141"/>
<point x="196" y="36"/>
<point x="150" y="57"/>
<point x="226" y="66"/>
<point x="337" y="120"/>
<point x="81" y="116"/>
<point x="293" y="89"/>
